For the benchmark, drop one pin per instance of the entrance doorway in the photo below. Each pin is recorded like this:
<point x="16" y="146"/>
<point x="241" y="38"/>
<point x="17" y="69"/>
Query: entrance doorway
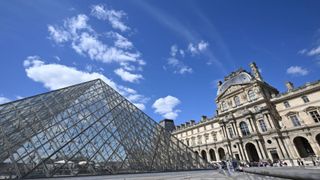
<point x="221" y="153"/>
<point x="274" y="155"/>
<point x="252" y="152"/>
<point x="303" y="147"/>
<point x="237" y="157"/>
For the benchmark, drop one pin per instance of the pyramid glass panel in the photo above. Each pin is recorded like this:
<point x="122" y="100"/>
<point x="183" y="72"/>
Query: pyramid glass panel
<point x="85" y="129"/>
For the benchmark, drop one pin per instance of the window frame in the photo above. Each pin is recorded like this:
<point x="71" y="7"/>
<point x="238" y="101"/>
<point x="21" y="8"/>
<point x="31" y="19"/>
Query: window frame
<point x="263" y="126"/>
<point x="230" y="130"/>
<point x="305" y="99"/>
<point x="244" y="128"/>
<point x="286" y="104"/>
<point x="236" y="100"/>
<point x="295" y="120"/>
<point x="316" y="116"/>
<point x="224" y="106"/>
<point x="251" y="95"/>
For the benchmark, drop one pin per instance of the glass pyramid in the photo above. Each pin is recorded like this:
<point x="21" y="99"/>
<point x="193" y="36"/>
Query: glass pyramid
<point x="85" y="129"/>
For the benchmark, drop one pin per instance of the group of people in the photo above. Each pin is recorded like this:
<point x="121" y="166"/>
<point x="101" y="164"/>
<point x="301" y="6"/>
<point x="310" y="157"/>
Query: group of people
<point x="233" y="164"/>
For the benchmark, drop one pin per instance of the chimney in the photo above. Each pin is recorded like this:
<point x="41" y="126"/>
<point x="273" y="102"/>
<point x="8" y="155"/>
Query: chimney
<point x="289" y="86"/>
<point x="203" y="118"/>
<point x="187" y="124"/>
<point x="192" y="122"/>
<point x="255" y="71"/>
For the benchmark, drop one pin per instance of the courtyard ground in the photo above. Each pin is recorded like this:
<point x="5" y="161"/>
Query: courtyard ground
<point x="183" y="175"/>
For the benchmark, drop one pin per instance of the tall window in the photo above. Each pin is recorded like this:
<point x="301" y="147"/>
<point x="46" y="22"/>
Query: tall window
<point x="263" y="126"/>
<point x="224" y="106"/>
<point x="230" y="132"/>
<point x="295" y="120"/>
<point x="286" y="104"/>
<point x="199" y="140"/>
<point x="193" y="141"/>
<point x="206" y="137"/>
<point x="251" y="95"/>
<point x="315" y="116"/>
<point x="214" y="137"/>
<point x="256" y="108"/>
<point x="305" y="99"/>
<point x="244" y="129"/>
<point x="237" y="101"/>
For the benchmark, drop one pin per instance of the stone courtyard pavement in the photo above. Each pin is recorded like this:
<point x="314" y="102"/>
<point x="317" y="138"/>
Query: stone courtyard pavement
<point x="184" y="175"/>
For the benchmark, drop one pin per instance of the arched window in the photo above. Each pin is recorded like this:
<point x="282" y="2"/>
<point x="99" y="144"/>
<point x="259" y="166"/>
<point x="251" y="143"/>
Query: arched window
<point x="212" y="155"/>
<point x="252" y="95"/>
<point x="237" y="101"/>
<point x="244" y="129"/>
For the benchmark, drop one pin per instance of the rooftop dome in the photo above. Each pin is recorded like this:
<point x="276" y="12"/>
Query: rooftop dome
<point x="241" y="78"/>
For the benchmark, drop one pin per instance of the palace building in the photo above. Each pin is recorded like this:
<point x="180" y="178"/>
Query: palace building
<point x="254" y="122"/>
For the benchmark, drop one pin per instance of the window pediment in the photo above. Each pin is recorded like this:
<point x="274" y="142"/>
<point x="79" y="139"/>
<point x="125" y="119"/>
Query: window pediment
<point x="291" y="113"/>
<point x="310" y="108"/>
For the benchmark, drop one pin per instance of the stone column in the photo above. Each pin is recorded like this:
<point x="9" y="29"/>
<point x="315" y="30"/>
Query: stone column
<point x="281" y="150"/>
<point x="314" y="144"/>
<point x="252" y="124"/>
<point x="263" y="149"/>
<point x="217" y="154"/>
<point x="240" y="152"/>
<point x="233" y="124"/>
<point x="238" y="129"/>
<point x="244" y="151"/>
<point x="258" y="149"/>
<point x="268" y="119"/>
<point x="291" y="147"/>
<point x="223" y="130"/>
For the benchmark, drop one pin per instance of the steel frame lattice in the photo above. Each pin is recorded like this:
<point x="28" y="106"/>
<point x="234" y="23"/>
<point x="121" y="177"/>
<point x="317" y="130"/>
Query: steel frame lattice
<point x="85" y="129"/>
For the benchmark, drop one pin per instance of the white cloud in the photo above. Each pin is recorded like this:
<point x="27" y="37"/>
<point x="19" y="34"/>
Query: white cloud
<point x="297" y="70"/>
<point x="54" y="76"/>
<point x="140" y="106"/>
<point x="58" y="35"/>
<point x="314" y="51"/>
<point x="181" y="52"/>
<point x="127" y="76"/>
<point x="89" y="45"/>
<point x="165" y="107"/>
<point x="114" y="17"/>
<point x="4" y="100"/>
<point x="121" y="41"/>
<point x="192" y="48"/>
<point x="173" y="50"/>
<point x="197" y="48"/>
<point x="178" y="66"/>
<point x="202" y="45"/>
<point x="19" y="97"/>
<point x="85" y="41"/>
<point x="69" y="29"/>
<point x="303" y="51"/>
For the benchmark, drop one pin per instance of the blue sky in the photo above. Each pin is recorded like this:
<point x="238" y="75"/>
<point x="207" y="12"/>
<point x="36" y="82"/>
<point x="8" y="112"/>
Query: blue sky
<point x="165" y="56"/>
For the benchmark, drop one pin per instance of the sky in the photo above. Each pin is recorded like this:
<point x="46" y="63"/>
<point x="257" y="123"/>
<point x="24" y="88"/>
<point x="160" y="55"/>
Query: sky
<point x="164" y="56"/>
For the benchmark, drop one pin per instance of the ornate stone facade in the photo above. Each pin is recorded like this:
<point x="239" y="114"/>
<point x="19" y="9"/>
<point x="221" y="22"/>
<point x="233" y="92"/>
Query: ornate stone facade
<point x="255" y="122"/>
